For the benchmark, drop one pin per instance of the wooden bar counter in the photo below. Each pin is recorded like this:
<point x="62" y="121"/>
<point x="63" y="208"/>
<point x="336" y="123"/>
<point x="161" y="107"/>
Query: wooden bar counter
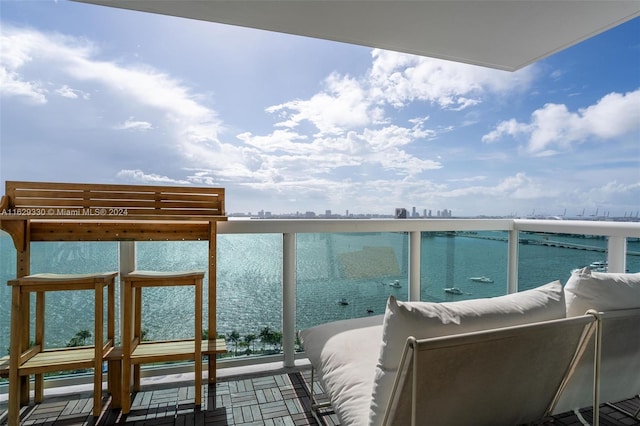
<point x="46" y="211"/>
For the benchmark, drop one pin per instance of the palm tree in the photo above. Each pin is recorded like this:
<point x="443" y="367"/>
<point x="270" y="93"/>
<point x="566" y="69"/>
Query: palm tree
<point x="266" y="336"/>
<point x="249" y="338"/>
<point x="234" y="337"/>
<point x="80" y="339"/>
<point x="277" y="340"/>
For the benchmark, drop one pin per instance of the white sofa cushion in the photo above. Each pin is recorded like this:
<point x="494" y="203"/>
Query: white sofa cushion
<point x="620" y="356"/>
<point x="345" y="353"/>
<point x="601" y="291"/>
<point x="425" y="320"/>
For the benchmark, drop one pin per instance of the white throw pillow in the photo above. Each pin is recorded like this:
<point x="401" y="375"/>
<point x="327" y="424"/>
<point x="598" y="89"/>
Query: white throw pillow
<point x="345" y="355"/>
<point x="424" y="320"/>
<point x="602" y="291"/>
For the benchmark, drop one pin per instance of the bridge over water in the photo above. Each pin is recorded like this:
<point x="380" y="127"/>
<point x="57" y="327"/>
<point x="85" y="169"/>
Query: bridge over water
<point x="550" y="243"/>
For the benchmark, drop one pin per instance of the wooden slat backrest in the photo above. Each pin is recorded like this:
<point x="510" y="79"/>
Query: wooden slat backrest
<point x="45" y="200"/>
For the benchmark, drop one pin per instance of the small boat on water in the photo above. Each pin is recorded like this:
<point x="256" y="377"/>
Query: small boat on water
<point x="453" y="290"/>
<point x="598" y="266"/>
<point x="395" y="283"/>
<point x="482" y="279"/>
<point x="343" y="301"/>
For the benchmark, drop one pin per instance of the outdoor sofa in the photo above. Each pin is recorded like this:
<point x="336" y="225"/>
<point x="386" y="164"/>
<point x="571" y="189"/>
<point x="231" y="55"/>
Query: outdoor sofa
<point x="506" y="360"/>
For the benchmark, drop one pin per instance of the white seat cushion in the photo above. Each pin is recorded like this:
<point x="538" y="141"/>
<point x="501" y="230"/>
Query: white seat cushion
<point x="345" y="354"/>
<point x="424" y="320"/>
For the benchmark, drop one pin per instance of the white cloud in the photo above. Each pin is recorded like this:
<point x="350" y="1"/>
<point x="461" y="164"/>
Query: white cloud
<point x="342" y="105"/>
<point x="469" y="179"/>
<point x="295" y="156"/>
<point x="13" y="85"/>
<point x="554" y="128"/>
<point x="190" y="121"/>
<point x="509" y="127"/>
<point x="150" y="178"/>
<point x="132" y="124"/>
<point x="396" y="80"/>
<point x="25" y="50"/>
<point x="399" y="79"/>
<point x="613" y="116"/>
<point x="278" y="140"/>
<point x="67" y="92"/>
<point x="519" y="186"/>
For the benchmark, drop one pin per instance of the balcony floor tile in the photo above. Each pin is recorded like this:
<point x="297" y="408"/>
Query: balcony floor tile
<point x="263" y="399"/>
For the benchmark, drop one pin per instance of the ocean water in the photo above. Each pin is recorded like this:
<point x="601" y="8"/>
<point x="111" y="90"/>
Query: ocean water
<point x="330" y="267"/>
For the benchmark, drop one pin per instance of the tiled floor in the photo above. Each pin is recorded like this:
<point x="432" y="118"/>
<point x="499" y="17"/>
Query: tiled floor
<point x="273" y="399"/>
<point x="279" y="398"/>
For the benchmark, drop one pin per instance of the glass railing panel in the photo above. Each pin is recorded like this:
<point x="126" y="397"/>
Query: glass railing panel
<point x="348" y="275"/>
<point x="69" y="315"/>
<point x="463" y="265"/>
<point x="168" y="312"/>
<point x="633" y="255"/>
<point x="7" y="272"/>
<point x="249" y="302"/>
<point x="546" y="257"/>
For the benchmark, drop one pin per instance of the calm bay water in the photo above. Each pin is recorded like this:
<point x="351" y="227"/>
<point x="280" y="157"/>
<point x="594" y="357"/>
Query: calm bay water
<point x="356" y="267"/>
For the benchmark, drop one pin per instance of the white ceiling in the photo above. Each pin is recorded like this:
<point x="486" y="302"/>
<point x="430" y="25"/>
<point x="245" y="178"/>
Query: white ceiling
<point x="503" y="34"/>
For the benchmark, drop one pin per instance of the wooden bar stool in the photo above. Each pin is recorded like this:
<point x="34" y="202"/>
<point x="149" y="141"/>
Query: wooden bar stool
<point x="26" y="359"/>
<point x="136" y="352"/>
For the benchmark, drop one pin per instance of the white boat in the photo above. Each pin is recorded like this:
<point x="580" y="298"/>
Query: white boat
<point x="343" y="301"/>
<point x="453" y="290"/>
<point x="598" y="266"/>
<point x="395" y="283"/>
<point x="482" y="279"/>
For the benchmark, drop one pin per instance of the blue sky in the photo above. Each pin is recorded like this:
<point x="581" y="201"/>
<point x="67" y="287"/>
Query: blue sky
<point x="288" y="123"/>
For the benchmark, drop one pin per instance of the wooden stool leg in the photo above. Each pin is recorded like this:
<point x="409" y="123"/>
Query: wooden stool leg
<point x="40" y="312"/>
<point x="127" y="326"/>
<point x="137" y="333"/>
<point x="16" y="383"/>
<point x="114" y="380"/>
<point x="24" y="343"/>
<point x="198" y="342"/>
<point x="136" y="378"/>
<point x="98" y="342"/>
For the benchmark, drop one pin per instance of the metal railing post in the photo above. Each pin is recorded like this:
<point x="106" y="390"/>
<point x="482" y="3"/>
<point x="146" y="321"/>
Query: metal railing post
<point x="289" y="299"/>
<point x="512" y="262"/>
<point x="617" y="254"/>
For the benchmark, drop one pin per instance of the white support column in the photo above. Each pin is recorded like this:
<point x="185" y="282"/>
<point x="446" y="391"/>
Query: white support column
<point x="289" y="299"/>
<point x="512" y="262"/>
<point x="414" y="265"/>
<point x="617" y="254"/>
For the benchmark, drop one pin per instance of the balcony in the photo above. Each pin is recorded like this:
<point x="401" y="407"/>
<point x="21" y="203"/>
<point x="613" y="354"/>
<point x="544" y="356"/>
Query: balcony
<point x="286" y="275"/>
